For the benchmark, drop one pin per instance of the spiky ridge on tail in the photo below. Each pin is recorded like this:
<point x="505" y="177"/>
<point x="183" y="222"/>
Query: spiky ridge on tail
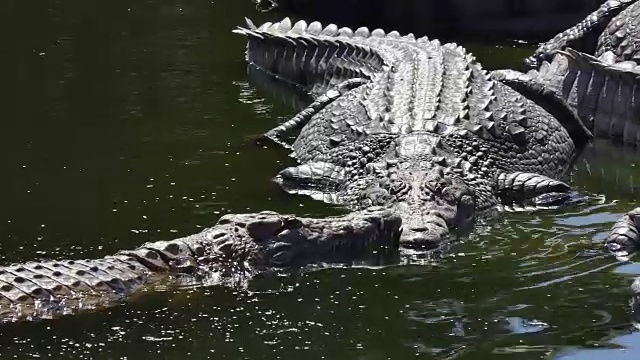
<point x="605" y="94"/>
<point x="313" y="57"/>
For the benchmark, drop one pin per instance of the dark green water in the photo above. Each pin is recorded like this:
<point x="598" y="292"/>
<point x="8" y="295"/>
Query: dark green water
<point x="125" y="122"/>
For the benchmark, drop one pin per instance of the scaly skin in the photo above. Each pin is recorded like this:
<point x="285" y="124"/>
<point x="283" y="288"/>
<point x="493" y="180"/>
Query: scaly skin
<point x="412" y="125"/>
<point x="401" y="131"/>
<point x="614" y="27"/>
<point x="238" y="245"/>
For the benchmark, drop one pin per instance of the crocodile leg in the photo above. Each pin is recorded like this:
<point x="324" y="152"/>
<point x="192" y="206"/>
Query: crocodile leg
<point x="303" y="117"/>
<point x="588" y="29"/>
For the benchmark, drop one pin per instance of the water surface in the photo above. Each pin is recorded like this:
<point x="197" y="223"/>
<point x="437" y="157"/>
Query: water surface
<point x="127" y="121"/>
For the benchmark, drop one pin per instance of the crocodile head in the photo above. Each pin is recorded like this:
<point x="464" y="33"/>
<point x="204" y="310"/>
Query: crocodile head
<point x="272" y="239"/>
<point x="432" y="202"/>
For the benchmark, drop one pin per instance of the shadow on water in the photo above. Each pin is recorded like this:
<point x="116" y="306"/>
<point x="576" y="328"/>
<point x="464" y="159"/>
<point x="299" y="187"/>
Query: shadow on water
<point x="125" y="122"/>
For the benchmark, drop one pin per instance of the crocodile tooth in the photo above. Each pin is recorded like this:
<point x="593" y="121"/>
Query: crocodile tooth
<point x="285" y="25"/>
<point x="299" y="28"/>
<point x="379" y="33"/>
<point x="345" y="32"/>
<point x="330" y="30"/>
<point x="314" y="28"/>
<point x="362" y="32"/>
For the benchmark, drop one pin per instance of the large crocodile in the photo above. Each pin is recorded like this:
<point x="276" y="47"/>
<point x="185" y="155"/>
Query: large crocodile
<point x="503" y="19"/>
<point x="400" y="115"/>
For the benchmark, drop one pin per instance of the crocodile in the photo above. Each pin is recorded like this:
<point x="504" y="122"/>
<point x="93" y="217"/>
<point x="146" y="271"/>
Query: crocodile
<point x="611" y="31"/>
<point x="412" y="125"/>
<point x="412" y="136"/>
<point x="237" y="247"/>
<point x="500" y="19"/>
<point x="396" y="118"/>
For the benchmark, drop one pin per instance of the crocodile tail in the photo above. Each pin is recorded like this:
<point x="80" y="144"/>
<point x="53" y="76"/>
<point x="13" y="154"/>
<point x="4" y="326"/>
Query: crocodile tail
<point x="312" y="57"/>
<point x="584" y="33"/>
<point x="605" y="94"/>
